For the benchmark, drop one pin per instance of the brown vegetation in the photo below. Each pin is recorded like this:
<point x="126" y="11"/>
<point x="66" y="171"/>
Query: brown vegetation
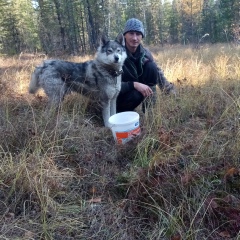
<point x="63" y="177"/>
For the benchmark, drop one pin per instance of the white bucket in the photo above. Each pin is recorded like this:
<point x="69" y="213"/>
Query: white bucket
<point x="125" y="126"/>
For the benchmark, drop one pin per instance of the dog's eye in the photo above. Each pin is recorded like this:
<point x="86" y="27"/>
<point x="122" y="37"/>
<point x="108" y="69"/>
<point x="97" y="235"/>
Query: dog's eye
<point x="118" y="50"/>
<point x="109" y="51"/>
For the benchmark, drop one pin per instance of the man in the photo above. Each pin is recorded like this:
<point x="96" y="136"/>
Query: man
<point x="140" y="72"/>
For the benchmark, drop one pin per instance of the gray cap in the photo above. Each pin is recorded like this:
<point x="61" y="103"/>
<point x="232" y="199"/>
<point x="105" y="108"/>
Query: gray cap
<point x="133" y="24"/>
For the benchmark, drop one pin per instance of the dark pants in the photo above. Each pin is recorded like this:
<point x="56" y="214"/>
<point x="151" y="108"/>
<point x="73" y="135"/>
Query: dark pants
<point x="128" y="101"/>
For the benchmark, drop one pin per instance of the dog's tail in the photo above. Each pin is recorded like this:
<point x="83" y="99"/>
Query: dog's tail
<point x="34" y="83"/>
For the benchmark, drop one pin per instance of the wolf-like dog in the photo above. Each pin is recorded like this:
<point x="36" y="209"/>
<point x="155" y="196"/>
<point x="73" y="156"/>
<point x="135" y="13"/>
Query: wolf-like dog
<point x="99" y="79"/>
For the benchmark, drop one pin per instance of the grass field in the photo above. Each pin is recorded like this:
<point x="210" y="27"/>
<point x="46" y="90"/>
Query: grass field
<point x="63" y="177"/>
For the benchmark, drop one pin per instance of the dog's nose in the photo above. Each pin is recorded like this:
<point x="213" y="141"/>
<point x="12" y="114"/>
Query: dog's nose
<point x="116" y="58"/>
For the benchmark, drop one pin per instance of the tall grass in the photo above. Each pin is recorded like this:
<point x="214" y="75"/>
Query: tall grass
<point x="63" y="177"/>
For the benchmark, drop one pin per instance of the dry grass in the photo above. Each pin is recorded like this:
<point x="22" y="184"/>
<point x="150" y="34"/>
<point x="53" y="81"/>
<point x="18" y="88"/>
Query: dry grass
<point x="63" y="177"/>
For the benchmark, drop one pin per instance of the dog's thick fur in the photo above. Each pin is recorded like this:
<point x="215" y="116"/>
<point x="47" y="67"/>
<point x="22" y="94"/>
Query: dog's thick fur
<point x="99" y="79"/>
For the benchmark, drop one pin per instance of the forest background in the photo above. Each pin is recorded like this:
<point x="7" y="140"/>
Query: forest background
<point x="73" y="26"/>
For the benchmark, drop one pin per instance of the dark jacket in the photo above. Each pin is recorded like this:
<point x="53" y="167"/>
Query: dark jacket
<point x="134" y="70"/>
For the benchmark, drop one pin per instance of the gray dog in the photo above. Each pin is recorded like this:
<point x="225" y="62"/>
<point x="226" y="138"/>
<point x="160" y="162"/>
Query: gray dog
<point x="99" y="79"/>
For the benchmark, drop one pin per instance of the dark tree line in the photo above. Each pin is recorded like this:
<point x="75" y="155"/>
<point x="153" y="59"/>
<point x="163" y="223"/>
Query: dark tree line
<point x="74" y="26"/>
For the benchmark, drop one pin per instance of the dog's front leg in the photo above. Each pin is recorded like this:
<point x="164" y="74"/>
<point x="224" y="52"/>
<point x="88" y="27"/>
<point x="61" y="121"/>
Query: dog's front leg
<point x="106" y="113"/>
<point x="113" y="106"/>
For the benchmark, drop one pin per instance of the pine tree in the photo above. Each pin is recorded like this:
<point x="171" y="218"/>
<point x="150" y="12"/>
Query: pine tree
<point x="228" y="17"/>
<point x="9" y="34"/>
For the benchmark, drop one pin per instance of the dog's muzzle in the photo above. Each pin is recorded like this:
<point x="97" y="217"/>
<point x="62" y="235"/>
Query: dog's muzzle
<point x="116" y="58"/>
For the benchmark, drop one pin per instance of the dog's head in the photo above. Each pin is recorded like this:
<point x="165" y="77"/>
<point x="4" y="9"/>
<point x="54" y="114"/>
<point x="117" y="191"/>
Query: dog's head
<point x="112" y="52"/>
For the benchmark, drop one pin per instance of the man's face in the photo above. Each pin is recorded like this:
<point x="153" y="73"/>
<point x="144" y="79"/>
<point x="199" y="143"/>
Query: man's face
<point x="133" y="39"/>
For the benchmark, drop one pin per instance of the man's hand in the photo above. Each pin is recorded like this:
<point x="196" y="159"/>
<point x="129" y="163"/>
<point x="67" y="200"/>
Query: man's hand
<point x="144" y="89"/>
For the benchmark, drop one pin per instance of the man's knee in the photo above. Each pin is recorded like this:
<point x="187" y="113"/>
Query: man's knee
<point x="129" y="101"/>
<point x="150" y="73"/>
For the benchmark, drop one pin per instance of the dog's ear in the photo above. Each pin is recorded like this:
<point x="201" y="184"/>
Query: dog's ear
<point x="104" y="40"/>
<point x="120" y="39"/>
